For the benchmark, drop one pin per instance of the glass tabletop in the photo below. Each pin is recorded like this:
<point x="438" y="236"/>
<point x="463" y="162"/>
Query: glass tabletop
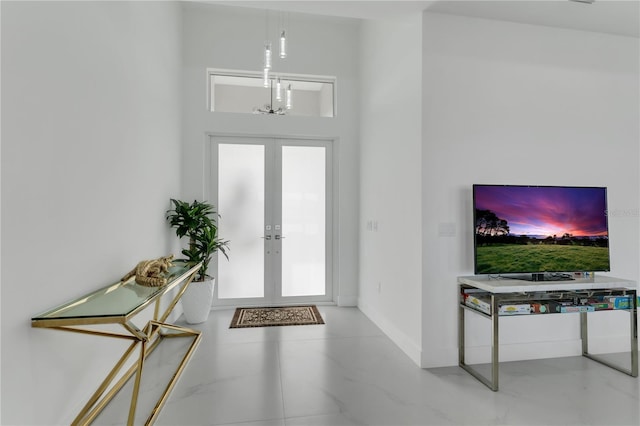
<point x="115" y="301"/>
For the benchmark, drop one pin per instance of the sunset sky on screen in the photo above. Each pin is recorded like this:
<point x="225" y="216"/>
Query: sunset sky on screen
<point x="547" y="211"/>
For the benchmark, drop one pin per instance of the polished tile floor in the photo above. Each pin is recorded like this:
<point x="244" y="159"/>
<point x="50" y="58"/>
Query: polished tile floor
<point x="347" y="372"/>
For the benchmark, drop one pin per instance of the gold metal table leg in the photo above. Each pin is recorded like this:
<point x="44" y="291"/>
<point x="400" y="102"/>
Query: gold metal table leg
<point x="98" y="401"/>
<point x="183" y="363"/>
<point x="136" y="385"/>
<point x="103" y="387"/>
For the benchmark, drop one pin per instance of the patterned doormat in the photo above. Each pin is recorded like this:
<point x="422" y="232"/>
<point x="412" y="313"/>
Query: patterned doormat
<point x="276" y="316"/>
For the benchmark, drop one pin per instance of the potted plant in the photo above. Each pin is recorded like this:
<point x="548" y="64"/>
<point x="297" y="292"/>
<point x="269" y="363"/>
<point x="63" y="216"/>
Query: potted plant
<point x="197" y="222"/>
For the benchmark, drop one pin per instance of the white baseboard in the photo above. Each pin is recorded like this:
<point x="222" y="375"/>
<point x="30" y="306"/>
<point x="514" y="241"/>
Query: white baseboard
<point x="404" y="342"/>
<point x="435" y="357"/>
<point x="347" y="301"/>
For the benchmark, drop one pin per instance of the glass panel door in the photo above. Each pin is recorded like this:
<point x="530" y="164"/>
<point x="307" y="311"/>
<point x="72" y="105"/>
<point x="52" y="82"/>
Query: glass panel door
<point x="241" y="204"/>
<point x="303" y="220"/>
<point x="274" y="198"/>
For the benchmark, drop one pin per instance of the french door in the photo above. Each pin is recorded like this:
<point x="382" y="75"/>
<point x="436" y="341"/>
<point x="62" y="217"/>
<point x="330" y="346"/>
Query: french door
<point x="274" y="199"/>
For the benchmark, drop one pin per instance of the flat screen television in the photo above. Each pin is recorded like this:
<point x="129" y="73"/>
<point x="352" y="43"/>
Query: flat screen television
<point x="540" y="232"/>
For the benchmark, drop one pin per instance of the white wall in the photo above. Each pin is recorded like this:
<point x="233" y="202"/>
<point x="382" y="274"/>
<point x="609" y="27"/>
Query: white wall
<point x="224" y="37"/>
<point x="90" y="158"/>
<point x="390" y="179"/>
<point x="520" y="104"/>
<point x="92" y="91"/>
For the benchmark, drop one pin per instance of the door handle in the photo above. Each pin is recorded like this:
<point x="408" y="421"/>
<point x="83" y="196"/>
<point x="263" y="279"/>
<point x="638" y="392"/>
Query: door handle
<point x="267" y="237"/>
<point x="278" y="237"/>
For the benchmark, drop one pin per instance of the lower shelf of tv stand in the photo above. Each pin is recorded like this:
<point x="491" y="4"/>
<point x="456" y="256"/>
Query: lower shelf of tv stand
<point x="547" y="302"/>
<point x="506" y="315"/>
<point x="497" y="293"/>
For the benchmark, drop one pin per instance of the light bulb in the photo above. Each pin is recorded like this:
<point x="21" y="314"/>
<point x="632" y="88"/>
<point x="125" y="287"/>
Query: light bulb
<point x="283" y="45"/>
<point x="278" y="90"/>
<point x="266" y="77"/>
<point x="288" y="103"/>
<point x="267" y="55"/>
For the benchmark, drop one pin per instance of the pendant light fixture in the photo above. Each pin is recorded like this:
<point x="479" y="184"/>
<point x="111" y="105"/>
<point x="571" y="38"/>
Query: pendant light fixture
<point x="270" y="108"/>
<point x="267" y="54"/>
<point x="278" y="90"/>
<point x="283" y="44"/>
<point x="283" y="36"/>
<point x="289" y="96"/>
<point x="267" y="70"/>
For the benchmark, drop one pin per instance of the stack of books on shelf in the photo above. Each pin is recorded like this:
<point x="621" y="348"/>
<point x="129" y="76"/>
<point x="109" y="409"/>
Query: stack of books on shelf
<point x="479" y="301"/>
<point x="514" y="309"/>
<point x="565" y="306"/>
<point x="476" y="302"/>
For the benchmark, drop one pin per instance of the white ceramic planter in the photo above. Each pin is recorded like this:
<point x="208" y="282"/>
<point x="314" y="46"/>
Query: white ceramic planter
<point x="196" y="301"/>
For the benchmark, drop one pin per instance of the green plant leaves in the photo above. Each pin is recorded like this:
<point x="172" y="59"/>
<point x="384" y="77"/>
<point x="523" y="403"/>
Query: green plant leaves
<point x="197" y="221"/>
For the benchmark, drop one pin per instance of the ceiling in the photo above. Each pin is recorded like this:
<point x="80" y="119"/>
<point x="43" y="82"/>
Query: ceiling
<point x="620" y="17"/>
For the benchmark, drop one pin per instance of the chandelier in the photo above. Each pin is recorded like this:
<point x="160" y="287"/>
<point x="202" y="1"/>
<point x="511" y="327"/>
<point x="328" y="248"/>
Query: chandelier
<point x="268" y="76"/>
<point x="270" y="108"/>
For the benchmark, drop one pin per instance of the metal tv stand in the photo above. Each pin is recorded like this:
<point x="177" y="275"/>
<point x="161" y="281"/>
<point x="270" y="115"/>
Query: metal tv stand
<point x="493" y="295"/>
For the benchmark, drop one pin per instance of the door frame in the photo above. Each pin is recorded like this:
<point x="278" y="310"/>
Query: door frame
<point x="210" y="189"/>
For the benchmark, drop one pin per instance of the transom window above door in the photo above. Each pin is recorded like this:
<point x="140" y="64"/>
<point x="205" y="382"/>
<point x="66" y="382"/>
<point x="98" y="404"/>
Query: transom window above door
<point x="282" y="94"/>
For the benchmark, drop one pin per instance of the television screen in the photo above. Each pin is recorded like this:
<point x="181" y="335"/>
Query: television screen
<point x="538" y="229"/>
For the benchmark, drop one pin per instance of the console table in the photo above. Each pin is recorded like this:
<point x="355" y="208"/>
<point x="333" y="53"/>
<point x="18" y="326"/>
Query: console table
<point x="118" y="304"/>
<point x="495" y="298"/>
